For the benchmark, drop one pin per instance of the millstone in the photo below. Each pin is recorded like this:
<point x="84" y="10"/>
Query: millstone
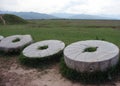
<point x="91" y="55"/>
<point x="15" y="43"/>
<point x="1" y="37"/>
<point x="43" y="49"/>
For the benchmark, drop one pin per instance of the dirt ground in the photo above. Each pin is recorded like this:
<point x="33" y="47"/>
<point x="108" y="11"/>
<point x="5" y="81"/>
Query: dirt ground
<point x="14" y="74"/>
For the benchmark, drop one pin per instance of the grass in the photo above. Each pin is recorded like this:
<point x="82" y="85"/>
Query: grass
<point x="16" y="40"/>
<point x="90" y="49"/>
<point x="90" y="78"/>
<point x="76" y="23"/>
<point x="67" y="34"/>
<point x="43" y="47"/>
<point x="40" y="62"/>
<point x="68" y="31"/>
<point x="13" y="19"/>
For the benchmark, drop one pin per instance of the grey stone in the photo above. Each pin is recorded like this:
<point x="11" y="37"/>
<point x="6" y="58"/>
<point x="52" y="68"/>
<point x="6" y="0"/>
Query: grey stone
<point x="33" y="51"/>
<point x="9" y="45"/>
<point x="1" y="37"/>
<point x="106" y="56"/>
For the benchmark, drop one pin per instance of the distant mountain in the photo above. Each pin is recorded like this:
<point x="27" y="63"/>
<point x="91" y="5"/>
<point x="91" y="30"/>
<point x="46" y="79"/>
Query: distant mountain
<point x="29" y="15"/>
<point x="63" y="15"/>
<point x="112" y="16"/>
<point x="35" y="15"/>
<point x="83" y="16"/>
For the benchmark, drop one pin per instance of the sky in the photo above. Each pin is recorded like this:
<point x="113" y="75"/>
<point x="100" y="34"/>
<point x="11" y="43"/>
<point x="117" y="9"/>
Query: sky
<point x="94" y="7"/>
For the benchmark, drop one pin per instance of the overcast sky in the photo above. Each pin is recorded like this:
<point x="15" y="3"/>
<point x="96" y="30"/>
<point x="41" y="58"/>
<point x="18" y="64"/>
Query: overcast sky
<point x="111" y="7"/>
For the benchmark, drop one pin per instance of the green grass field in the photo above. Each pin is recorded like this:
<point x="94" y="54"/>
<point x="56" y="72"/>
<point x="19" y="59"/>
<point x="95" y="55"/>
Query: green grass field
<point x="66" y="30"/>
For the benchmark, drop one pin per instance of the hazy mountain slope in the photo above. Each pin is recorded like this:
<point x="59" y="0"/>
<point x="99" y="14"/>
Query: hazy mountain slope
<point x="11" y="19"/>
<point x="83" y="16"/>
<point x="29" y="15"/>
<point x="35" y="15"/>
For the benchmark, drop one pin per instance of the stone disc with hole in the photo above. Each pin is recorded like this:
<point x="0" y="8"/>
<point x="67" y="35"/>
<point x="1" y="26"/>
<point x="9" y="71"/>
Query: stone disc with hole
<point x="43" y="49"/>
<point x="15" y="43"/>
<point x="77" y="56"/>
<point x="1" y="37"/>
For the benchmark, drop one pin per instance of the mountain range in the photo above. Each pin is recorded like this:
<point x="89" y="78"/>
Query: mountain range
<point x="85" y="16"/>
<point x="35" y="15"/>
<point x="29" y="15"/>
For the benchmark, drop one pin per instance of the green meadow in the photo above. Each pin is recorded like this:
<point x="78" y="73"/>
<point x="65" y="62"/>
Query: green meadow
<point x="68" y="31"/>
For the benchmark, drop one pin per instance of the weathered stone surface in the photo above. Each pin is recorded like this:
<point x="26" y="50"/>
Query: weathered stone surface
<point x="15" y="43"/>
<point x="33" y="51"/>
<point x="106" y="56"/>
<point x="1" y="37"/>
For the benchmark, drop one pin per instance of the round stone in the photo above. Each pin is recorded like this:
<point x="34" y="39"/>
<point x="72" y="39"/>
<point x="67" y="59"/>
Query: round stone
<point x="15" y="43"/>
<point x="43" y="49"/>
<point x="91" y="55"/>
<point x="1" y="37"/>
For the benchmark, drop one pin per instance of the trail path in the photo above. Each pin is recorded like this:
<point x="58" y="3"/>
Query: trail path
<point x="3" y="20"/>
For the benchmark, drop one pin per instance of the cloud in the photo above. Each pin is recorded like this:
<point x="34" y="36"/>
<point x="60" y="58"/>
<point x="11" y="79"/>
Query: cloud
<point x="45" y="6"/>
<point x="67" y="6"/>
<point x="96" y="7"/>
<point x="7" y="4"/>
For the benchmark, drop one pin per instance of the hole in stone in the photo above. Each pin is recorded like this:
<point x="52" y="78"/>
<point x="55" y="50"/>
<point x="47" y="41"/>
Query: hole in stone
<point x="91" y="69"/>
<point x="90" y="49"/>
<point x="16" y="40"/>
<point x="43" y="47"/>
